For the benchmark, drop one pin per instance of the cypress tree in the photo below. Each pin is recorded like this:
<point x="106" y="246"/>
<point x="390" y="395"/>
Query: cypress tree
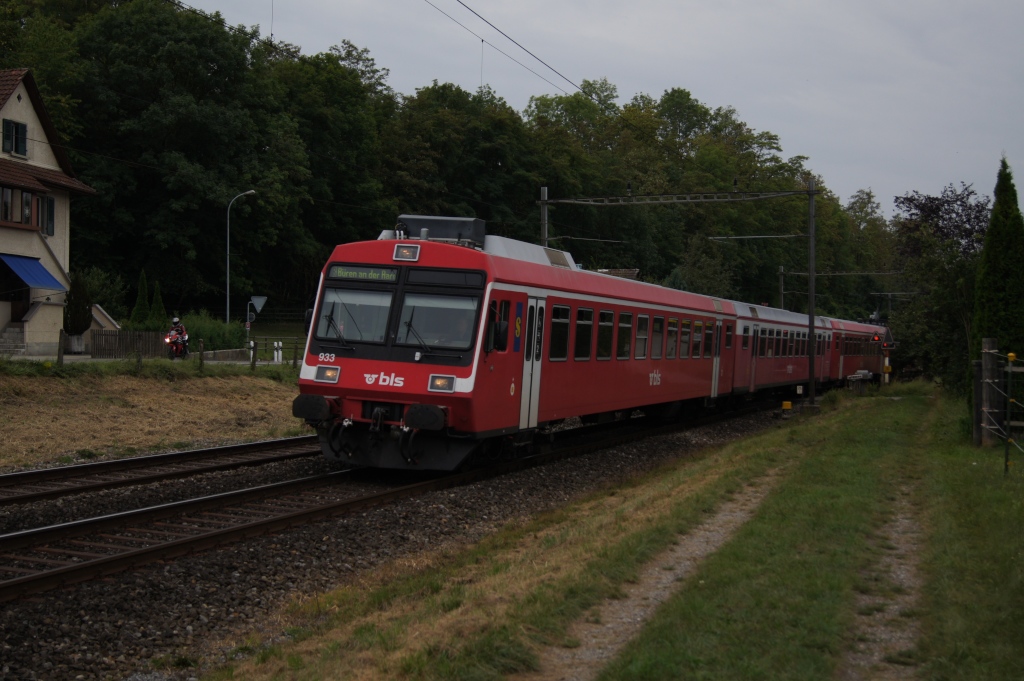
<point x="77" y="307"/>
<point x="157" y="311"/>
<point x="999" y="300"/>
<point x="140" y="313"/>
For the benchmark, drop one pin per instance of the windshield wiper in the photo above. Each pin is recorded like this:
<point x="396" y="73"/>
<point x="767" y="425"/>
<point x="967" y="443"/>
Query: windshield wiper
<point x="330" y="321"/>
<point x="410" y="327"/>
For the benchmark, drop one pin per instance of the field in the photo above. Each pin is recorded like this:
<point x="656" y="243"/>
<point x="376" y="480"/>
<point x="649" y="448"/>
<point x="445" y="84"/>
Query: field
<point x="87" y="411"/>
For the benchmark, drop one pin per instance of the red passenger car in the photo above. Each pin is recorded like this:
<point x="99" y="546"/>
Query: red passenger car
<point x="437" y="343"/>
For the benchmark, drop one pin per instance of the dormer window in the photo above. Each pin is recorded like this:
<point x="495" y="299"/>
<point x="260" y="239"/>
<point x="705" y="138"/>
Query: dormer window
<point x="15" y="138"/>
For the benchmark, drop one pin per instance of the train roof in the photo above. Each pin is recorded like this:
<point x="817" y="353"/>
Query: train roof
<point x="519" y="262"/>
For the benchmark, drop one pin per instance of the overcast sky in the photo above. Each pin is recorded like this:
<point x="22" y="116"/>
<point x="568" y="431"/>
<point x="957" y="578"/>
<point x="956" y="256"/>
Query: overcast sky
<point x="891" y="95"/>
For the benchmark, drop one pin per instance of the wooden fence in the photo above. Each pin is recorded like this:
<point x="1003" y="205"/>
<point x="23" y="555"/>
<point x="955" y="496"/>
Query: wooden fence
<point x="119" y="344"/>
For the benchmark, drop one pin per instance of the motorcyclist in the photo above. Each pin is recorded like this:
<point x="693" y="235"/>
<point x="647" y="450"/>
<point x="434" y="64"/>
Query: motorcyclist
<point x="177" y="327"/>
<point x="179" y="335"/>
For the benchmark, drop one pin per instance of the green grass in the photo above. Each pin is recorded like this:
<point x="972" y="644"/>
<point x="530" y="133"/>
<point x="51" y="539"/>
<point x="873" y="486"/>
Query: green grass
<point x="974" y="598"/>
<point x="776" y="602"/>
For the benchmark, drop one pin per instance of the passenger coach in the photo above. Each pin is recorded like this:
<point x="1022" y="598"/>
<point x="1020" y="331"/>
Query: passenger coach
<point x="438" y="342"/>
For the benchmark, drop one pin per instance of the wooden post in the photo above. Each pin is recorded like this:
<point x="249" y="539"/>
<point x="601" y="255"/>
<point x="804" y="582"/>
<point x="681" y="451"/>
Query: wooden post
<point x="202" y="359"/>
<point x="989" y="397"/>
<point x="61" y="338"/>
<point x="976" y="402"/>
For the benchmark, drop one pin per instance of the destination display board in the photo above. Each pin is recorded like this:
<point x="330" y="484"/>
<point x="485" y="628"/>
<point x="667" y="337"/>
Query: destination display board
<point x="379" y="275"/>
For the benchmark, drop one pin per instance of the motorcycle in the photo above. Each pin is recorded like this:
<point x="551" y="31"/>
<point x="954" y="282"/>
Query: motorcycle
<point x="177" y="345"/>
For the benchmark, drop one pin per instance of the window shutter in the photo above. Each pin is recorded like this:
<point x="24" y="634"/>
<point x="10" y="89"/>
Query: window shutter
<point x="21" y="139"/>
<point x="8" y="135"/>
<point x="48" y="224"/>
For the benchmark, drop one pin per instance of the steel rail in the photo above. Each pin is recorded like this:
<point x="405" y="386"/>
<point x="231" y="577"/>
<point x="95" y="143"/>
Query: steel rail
<point x="52" y="483"/>
<point x="231" y="516"/>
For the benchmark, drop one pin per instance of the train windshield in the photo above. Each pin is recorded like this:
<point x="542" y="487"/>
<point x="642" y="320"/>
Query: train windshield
<point x="353" y="315"/>
<point x="437" y="321"/>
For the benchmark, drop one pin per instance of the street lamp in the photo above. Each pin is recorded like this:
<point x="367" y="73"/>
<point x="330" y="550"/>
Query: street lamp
<point x="227" y="286"/>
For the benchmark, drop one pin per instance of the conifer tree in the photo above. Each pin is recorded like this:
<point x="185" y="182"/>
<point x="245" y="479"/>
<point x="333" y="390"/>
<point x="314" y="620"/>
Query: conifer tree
<point x="157" y="311"/>
<point x="999" y="302"/>
<point x="140" y="313"/>
<point x="77" y="307"/>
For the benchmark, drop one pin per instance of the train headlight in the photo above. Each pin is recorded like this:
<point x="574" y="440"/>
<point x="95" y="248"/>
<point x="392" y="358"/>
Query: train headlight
<point x="441" y="384"/>
<point x="410" y="252"/>
<point x="328" y="374"/>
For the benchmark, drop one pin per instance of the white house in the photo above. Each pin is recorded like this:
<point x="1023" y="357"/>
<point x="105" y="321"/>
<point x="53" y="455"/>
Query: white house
<point x="36" y="185"/>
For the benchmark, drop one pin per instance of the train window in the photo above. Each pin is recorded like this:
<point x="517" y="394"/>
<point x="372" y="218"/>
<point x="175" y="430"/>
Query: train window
<point x="497" y="323"/>
<point x="657" y="337"/>
<point x="584" y="333"/>
<point x="762" y="348"/>
<point x="605" y="331"/>
<point x="728" y="336"/>
<point x="709" y="335"/>
<point x="803" y="344"/>
<point x="791" y="347"/>
<point x="540" y="332"/>
<point x="354" y="315"/>
<point x="437" y="321"/>
<point x="558" y="348"/>
<point x="501" y="334"/>
<point x="625" y="335"/>
<point x="698" y="334"/>
<point x="746" y="337"/>
<point x="684" y="339"/>
<point x="671" y="338"/>
<point x="785" y="344"/>
<point x="529" y="334"/>
<point x="642" y="324"/>
<point x="778" y="342"/>
<point x="446" y="277"/>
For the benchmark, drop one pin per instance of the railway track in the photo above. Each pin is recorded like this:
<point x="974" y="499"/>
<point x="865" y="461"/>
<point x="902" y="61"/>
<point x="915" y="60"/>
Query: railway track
<point x="52" y="483"/>
<point x="40" y="559"/>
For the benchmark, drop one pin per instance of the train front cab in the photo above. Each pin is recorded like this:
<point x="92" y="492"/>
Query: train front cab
<point x="395" y="354"/>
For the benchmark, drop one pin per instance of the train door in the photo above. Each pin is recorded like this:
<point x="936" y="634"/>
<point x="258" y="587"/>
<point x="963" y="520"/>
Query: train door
<point x="754" y="340"/>
<point x="532" y="353"/>
<point x="716" y="362"/>
<point x="842" y="353"/>
<point x="826" y="370"/>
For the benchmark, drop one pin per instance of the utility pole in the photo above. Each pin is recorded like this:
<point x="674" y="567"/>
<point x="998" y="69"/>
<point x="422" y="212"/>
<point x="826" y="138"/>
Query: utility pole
<point x="782" y="292"/>
<point x="544" y="217"/>
<point x="812" y="336"/>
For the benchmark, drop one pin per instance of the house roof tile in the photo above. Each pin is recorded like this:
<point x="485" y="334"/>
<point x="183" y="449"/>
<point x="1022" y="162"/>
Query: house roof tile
<point x="34" y="178"/>
<point x="9" y="81"/>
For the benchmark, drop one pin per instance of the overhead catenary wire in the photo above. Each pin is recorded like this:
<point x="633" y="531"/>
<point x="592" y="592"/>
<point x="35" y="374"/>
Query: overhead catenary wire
<point x="513" y="41"/>
<point x="495" y="48"/>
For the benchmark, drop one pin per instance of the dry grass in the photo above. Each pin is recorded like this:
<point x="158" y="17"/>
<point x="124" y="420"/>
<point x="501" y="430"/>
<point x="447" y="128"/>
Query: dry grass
<point x="454" y="604"/>
<point x="45" y="420"/>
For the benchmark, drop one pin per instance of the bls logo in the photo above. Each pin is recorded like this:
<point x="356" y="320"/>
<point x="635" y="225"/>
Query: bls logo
<point x="392" y="380"/>
<point x="655" y="377"/>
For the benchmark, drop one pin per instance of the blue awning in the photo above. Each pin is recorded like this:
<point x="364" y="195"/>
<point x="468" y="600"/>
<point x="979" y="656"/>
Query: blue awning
<point x="32" y="272"/>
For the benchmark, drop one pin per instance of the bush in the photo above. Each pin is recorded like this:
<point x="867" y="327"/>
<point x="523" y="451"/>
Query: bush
<point x="216" y="334"/>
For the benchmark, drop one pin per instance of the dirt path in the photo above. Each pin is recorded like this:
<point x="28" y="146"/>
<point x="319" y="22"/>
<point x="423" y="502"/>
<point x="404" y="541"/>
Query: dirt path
<point x="617" y="621"/>
<point x="886" y="631"/>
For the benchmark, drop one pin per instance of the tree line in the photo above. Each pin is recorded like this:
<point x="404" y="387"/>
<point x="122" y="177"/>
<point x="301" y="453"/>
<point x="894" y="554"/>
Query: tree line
<point x="169" y="114"/>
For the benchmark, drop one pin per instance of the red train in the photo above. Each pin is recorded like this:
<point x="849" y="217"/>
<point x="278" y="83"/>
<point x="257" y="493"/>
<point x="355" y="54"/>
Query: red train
<point x="438" y="343"/>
